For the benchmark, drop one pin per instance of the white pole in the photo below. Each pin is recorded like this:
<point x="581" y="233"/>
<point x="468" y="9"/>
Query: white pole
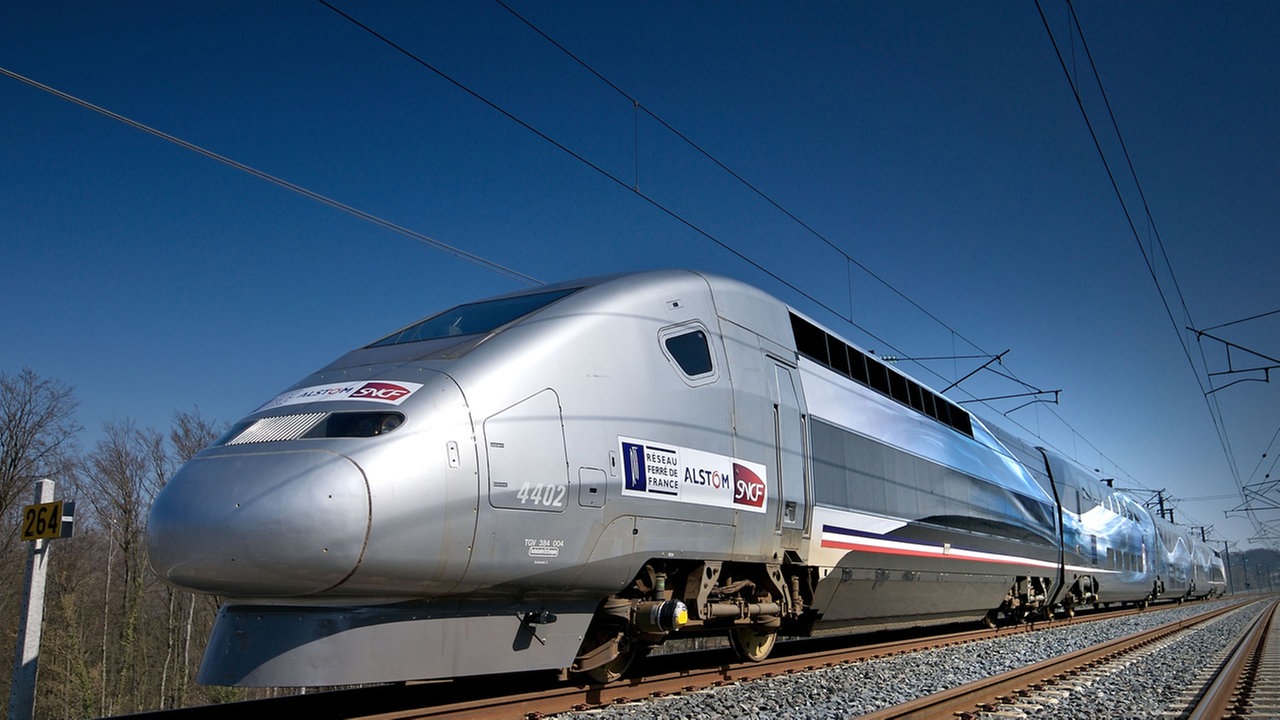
<point x="22" y="695"/>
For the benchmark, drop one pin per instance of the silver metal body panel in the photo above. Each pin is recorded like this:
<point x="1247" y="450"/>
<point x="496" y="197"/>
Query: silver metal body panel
<point x="1131" y="554"/>
<point x="386" y="515"/>
<point x="1208" y="575"/>
<point x="286" y="646"/>
<point x="1107" y="535"/>
<point x="888" y="547"/>
<point x="263" y="548"/>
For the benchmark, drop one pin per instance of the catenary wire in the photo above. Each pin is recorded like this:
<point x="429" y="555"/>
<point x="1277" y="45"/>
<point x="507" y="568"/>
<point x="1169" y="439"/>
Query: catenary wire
<point x="1214" y="409"/>
<point x="293" y="187"/>
<point x="1212" y="401"/>
<point x="736" y="176"/>
<point x="677" y="216"/>
<point x="1115" y="186"/>
<point x="456" y="251"/>
<point x="636" y="103"/>
<point x="681" y="219"/>
<point x="640" y="107"/>
<point x="1241" y="320"/>
<point x="586" y="161"/>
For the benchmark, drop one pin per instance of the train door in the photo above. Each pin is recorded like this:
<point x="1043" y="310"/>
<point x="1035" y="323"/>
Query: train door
<point x="530" y="491"/>
<point x="528" y="465"/>
<point x="789" y="445"/>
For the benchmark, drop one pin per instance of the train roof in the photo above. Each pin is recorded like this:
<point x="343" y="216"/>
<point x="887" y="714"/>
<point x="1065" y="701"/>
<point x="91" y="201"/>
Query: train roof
<point x="455" y="331"/>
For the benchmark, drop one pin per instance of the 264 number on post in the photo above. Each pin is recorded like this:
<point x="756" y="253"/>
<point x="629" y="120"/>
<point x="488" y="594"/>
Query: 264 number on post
<point x="42" y="522"/>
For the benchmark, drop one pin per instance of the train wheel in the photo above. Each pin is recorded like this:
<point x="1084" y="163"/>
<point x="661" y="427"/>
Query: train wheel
<point x="628" y="652"/>
<point x="607" y="652"/>
<point x="752" y="645"/>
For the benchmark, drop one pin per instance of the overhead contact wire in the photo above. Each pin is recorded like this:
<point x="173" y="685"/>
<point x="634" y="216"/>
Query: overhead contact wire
<point x="849" y="258"/>
<point x="1211" y="402"/>
<point x="736" y="176"/>
<point x="679" y="218"/>
<point x="281" y="182"/>
<point x="585" y="161"/>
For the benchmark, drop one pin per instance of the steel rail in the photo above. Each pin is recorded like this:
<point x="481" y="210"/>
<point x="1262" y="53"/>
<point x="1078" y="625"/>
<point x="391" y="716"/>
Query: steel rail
<point x="534" y="695"/>
<point x="694" y="675"/>
<point x="1228" y="692"/>
<point x="985" y="695"/>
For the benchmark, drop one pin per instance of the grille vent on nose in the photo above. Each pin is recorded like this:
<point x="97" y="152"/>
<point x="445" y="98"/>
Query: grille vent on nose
<point x="275" y="429"/>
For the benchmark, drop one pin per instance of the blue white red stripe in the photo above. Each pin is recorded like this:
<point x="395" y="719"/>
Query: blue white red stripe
<point x="839" y="538"/>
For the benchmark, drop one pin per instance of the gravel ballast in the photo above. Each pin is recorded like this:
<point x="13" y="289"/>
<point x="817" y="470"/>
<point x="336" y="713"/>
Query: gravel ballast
<point x="1145" y="687"/>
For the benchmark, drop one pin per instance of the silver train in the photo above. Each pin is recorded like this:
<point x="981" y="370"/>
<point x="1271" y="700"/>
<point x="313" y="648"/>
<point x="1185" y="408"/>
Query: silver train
<point x="567" y="476"/>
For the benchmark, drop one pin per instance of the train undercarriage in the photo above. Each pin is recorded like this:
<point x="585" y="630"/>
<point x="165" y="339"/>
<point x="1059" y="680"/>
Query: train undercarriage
<point x="752" y="603"/>
<point x="749" y="602"/>
<point x="1027" y="600"/>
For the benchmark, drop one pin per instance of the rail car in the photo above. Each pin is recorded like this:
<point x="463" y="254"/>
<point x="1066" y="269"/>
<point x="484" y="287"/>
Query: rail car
<point x="567" y="476"/>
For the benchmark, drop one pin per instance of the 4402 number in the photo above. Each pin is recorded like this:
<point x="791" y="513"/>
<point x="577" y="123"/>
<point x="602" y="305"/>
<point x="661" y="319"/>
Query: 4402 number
<point x="540" y="495"/>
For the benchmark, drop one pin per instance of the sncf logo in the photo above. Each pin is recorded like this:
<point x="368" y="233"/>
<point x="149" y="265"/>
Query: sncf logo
<point x="748" y="488"/>
<point x="382" y="392"/>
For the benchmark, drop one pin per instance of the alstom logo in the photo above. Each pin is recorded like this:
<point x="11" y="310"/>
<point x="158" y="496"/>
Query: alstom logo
<point x="382" y="392"/>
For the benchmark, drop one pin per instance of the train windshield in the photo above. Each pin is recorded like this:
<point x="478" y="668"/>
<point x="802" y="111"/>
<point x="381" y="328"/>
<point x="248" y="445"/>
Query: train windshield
<point x="473" y="318"/>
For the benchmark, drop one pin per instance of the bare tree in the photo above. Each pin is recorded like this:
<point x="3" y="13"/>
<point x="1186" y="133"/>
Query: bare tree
<point x="69" y="681"/>
<point x="37" y="436"/>
<point x="117" y="639"/>
<point x="189" y="434"/>
<point x="37" y="439"/>
<point x="118" y="479"/>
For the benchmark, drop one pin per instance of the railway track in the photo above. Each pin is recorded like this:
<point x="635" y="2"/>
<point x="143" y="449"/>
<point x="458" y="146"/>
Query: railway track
<point x="676" y="674"/>
<point x="1247" y="682"/>
<point x="691" y="673"/>
<point x="1227" y="692"/>
<point x="683" y="673"/>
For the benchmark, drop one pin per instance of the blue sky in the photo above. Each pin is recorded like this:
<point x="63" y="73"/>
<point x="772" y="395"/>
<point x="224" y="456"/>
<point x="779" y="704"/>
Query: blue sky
<point x="938" y="145"/>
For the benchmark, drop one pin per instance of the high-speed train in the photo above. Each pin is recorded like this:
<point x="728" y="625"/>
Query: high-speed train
<point x="566" y="476"/>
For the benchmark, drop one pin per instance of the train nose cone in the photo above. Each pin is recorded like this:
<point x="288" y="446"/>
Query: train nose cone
<point x="261" y="523"/>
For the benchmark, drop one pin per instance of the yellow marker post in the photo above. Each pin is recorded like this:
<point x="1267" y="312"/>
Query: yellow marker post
<point x="42" y="521"/>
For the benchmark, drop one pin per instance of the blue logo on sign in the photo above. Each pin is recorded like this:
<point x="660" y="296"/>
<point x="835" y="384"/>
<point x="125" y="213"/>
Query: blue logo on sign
<point x="633" y="466"/>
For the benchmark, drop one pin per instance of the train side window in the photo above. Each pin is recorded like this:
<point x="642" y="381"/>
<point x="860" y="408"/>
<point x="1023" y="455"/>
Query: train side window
<point x="831" y="352"/>
<point x="879" y="376"/>
<point x="930" y="404"/>
<point x="858" y="367"/>
<point x="811" y="340"/>
<point x="917" y="395"/>
<point x="839" y="355"/>
<point x="688" y="347"/>
<point x="898" y="388"/>
<point x="943" y="410"/>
